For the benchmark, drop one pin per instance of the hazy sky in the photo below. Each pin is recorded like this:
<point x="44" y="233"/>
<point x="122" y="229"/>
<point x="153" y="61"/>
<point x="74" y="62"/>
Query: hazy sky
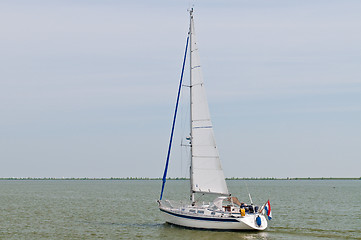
<point x="87" y="88"/>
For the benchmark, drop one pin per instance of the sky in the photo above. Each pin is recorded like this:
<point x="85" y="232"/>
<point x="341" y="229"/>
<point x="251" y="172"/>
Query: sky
<point x="87" y="88"/>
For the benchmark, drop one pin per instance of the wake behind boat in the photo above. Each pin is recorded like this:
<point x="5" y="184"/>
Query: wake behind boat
<point x="206" y="174"/>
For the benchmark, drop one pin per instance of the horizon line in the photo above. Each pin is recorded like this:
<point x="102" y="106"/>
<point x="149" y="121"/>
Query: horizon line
<point x="177" y="178"/>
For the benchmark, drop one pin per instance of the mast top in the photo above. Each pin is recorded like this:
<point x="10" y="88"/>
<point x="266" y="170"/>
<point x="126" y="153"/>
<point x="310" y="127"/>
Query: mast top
<point x="190" y="11"/>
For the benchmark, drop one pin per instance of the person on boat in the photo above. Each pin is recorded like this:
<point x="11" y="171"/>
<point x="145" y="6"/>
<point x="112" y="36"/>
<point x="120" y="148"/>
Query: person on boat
<point x="234" y="200"/>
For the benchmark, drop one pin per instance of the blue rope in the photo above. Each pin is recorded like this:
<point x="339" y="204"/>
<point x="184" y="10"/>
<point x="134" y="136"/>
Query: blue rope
<point x="174" y="118"/>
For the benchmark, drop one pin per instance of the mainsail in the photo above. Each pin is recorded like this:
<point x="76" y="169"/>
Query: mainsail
<point x="206" y="171"/>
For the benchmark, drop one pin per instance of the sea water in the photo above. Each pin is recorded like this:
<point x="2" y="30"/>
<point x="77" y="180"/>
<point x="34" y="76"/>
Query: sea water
<point x="122" y="209"/>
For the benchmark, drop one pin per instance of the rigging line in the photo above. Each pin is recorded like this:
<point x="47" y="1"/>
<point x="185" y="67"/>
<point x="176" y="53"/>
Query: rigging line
<point x="181" y="158"/>
<point x="173" y="124"/>
<point x="182" y="123"/>
<point x="183" y="111"/>
<point x="249" y="194"/>
<point x="200" y="197"/>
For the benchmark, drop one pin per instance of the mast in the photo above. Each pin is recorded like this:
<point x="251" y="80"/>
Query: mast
<point x="190" y="102"/>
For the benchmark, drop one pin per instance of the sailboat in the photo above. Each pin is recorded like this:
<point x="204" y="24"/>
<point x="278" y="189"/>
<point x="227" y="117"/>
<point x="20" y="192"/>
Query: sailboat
<point x="225" y="212"/>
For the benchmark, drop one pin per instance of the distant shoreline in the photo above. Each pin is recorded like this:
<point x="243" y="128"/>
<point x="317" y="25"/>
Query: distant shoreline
<point x="179" y="178"/>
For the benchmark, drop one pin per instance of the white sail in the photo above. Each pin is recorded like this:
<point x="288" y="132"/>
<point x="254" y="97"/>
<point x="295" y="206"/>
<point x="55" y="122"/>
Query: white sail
<point x="206" y="170"/>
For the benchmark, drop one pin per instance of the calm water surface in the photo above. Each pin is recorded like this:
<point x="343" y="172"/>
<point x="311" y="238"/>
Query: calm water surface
<point x="63" y="209"/>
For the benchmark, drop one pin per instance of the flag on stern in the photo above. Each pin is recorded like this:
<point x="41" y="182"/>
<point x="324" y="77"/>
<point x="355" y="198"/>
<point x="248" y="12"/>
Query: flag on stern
<point x="267" y="207"/>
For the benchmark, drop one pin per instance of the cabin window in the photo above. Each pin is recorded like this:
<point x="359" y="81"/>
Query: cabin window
<point x="201" y="211"/>
<point x="192" y="211"/>
<point x="213" y="213"/>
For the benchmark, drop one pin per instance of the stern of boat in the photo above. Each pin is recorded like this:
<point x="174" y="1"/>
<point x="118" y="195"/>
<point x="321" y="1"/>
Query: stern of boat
<point x="254" y="222"/>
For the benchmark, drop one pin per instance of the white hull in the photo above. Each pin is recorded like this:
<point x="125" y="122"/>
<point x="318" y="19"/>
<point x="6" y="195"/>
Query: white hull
<point x="195" y="220"/>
